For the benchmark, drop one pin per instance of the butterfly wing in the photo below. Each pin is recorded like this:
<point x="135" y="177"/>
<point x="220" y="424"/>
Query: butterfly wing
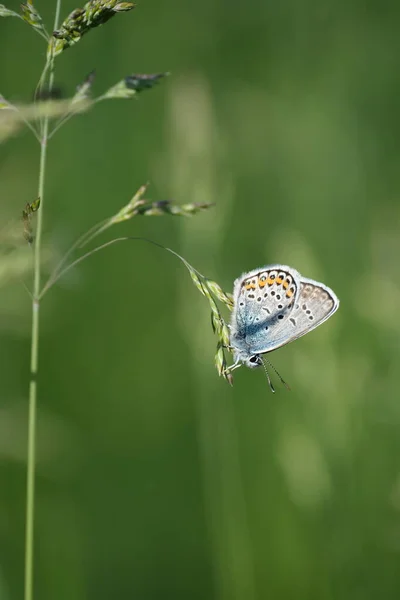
<point x="315" y="304"/>
<point x="263" y="325"/>
<point x="264" y="298"/>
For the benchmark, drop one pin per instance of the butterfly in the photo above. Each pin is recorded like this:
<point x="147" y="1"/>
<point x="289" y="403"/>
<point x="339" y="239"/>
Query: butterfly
<point x="274" y="305"/>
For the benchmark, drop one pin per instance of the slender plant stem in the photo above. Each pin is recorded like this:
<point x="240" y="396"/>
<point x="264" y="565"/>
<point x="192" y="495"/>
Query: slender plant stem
<point x="27" y="123"/>
<point x="30" y="481"/>
<point x="64" y="270"/>
<point x="64" y="119"/>
<point x="81" y="241"/>
<point x="57" y="275"/>
<point x="31" y="462"/>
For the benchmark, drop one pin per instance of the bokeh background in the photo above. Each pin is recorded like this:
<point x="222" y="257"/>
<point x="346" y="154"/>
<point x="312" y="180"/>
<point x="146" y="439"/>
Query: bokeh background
<point x="155" y="479"/>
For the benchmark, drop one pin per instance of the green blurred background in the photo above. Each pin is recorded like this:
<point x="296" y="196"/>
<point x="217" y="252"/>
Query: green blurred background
<point x="155" y="479"/>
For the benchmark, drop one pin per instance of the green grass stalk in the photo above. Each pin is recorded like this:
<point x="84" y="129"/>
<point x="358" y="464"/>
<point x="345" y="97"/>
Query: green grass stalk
<point x="31" y="456"/>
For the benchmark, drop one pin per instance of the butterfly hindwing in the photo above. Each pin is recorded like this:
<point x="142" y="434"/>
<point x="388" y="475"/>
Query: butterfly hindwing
<point x="316" y="303"/>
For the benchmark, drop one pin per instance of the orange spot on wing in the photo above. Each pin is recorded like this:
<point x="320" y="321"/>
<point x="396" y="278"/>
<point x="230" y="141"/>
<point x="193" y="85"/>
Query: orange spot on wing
<point x="279" y="280"/>
<point x="262" y="283"/>
<point x="270" y="281"/>
<point x="250" y="286"/>
<point x="289" y="294"/>
<point x="285" y="285"/>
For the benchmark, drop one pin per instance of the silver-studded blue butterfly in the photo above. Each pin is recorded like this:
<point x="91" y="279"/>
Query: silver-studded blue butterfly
<point x="274" y="305"/>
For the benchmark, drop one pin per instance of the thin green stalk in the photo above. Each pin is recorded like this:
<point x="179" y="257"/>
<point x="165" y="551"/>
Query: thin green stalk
<point x="27" y="123"/>
<point x="62" y="271"/>
<point x="69" y="115"/>
<point x="76" y="262"/>
<point x="80" y="242"/>
<point x="62" y="122"/>
<point x="30" y="481"/>
<point x="38" y="90"/>
<point x="31" y="462"/>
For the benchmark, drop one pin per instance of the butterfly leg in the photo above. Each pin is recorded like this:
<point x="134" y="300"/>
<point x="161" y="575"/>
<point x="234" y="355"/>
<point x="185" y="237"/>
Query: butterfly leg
<point x="233" y="367"/>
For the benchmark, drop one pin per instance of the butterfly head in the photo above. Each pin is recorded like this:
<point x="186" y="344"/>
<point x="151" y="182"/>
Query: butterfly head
<point x="250" y="360"/>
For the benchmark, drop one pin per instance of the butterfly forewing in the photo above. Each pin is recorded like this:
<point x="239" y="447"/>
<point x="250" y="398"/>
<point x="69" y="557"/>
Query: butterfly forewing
<point x="264" y="299"/>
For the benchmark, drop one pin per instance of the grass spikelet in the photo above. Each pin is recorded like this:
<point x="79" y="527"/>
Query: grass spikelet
<point x="209" y="288"/>
<point x="83" y="90"/>
<point x="224" y="297"/>
<point x="146" y="208"/>
<point x="6" y="12"/>
<point x="82" y="20"/>
<point x="31" y="16"/>
<point x="29" y="210"/>
<point x="132" y="85"/>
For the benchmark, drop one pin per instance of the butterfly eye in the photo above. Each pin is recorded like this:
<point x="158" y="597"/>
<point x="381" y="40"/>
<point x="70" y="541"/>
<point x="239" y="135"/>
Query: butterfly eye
<point x="253" y="359"/>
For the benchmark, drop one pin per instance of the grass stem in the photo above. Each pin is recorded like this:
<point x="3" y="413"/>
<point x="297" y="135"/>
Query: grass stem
<point x="31" y="456"/>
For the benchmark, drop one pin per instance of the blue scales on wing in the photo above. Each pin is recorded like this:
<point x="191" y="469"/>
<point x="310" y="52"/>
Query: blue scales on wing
<point x="264" y="299"/>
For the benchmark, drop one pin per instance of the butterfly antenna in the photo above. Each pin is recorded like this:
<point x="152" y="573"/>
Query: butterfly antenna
<point x="271" y="387"/>
<point x="287" y="386"/>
